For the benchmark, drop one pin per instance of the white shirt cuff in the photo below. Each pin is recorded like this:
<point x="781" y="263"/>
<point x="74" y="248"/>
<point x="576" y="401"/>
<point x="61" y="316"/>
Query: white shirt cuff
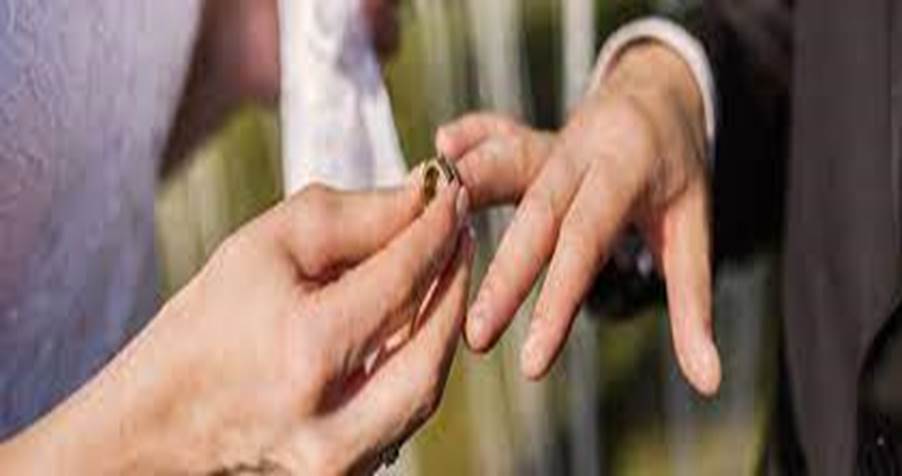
<point x="684" y="44"/>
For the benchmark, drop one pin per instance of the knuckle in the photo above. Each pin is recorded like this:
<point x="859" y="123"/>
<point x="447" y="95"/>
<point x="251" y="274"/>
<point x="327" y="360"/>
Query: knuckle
<point x="315" y="255"/>
<point x="636" y="115"/>
<point x="309" y="224"/>
<point x="315" y="194"/>
<point x="234" y="246"/>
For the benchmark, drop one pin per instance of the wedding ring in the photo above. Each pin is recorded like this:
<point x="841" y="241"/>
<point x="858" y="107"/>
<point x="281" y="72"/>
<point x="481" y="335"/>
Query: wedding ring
<point x="435" y="171"/>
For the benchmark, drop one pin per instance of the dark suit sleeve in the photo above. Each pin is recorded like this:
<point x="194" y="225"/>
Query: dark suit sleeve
<point x="750" y="47"/>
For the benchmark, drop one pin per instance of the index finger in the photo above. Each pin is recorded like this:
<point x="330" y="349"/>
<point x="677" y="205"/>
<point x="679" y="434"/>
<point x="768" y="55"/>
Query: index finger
<point x="398" y="396"/>
<point x="373" y="300"/>
<point x="406" y="390"/>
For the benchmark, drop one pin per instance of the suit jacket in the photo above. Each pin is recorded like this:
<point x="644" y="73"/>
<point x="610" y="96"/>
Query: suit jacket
<point x="809" y="150"/>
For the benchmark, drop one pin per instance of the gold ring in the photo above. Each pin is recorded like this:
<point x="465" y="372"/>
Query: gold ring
<point x="434" y="170"/>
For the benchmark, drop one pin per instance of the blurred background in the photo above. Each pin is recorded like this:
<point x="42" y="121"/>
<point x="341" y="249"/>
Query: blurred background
<point x="615" y="402"/>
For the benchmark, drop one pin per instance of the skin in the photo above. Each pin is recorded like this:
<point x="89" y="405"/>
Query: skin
<point x="633" y="152"/>
<point x="258" y="365"/>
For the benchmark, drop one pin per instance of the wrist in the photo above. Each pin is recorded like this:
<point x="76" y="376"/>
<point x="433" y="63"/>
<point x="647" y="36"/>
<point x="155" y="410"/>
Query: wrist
<point x="190" y="425"/>
<point x="165" y="425"/>
<point x="130" y="418"/>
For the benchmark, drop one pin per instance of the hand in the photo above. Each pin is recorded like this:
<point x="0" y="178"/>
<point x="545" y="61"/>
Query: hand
<point x="633" y="152"/>
<point x="259" y="363"/>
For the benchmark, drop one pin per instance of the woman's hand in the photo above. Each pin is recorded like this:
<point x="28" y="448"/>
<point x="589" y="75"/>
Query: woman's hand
<point x="292" y="351"/>
<point x="633" y="152"/>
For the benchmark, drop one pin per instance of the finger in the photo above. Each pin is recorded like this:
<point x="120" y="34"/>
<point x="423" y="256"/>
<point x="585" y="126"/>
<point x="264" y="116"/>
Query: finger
<point x="681" y="240"/>
<point x="373" y="300"/>
<point x="597" y="214"/>
<point x="497" y="157"/>
<point x="498" y="171"/>
<point x="524" y="250"/>
<point x="406" y="390"/>
<point x="323" y="228"/>
<point x="456" y="138"/>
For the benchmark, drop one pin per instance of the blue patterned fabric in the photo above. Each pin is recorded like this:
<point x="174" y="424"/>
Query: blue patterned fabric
<point x="87" y="91"/>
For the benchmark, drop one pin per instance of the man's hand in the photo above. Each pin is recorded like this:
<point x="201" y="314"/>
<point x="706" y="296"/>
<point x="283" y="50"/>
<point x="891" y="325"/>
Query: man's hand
<point x="264" y="362"/>
<point x="633" y="152"/>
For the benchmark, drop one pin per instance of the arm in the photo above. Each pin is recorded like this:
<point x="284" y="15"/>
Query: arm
<point x="750" y="46"/>
<point x="127" y="419"/>
<point x="259" y="364"/>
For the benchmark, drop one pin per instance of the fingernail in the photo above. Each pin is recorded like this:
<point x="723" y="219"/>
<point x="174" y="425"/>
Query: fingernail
<point x="468" y="237"/>
<point x="530" y="358"/>
<point x="462" y="207"/>
<point x="707" y="367"/>
<point x="414" y="175"/>
<point x="476" y="325"/>
<point x="444" y="140"/>
<point x="469" y="243"/>
<point x="441" y="139"/>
